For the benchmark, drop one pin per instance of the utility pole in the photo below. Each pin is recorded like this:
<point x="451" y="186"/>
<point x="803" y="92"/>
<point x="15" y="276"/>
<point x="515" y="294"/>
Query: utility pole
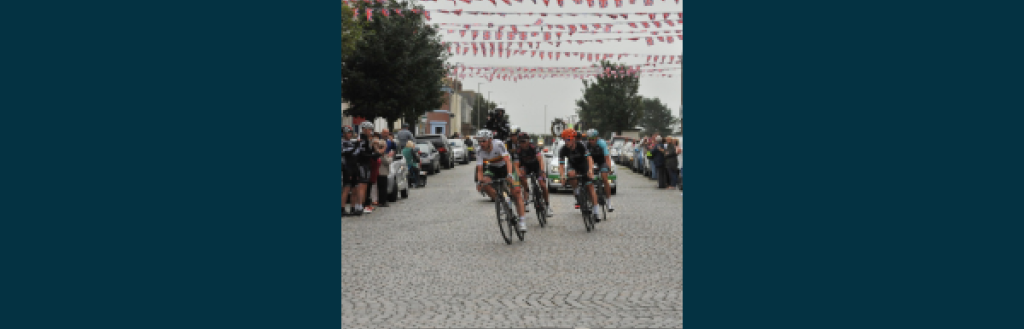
<point x="479" y="116"/>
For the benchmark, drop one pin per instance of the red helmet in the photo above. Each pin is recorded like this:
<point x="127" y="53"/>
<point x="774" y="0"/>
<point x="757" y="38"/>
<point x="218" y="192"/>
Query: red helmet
<point x="568" y="133"/>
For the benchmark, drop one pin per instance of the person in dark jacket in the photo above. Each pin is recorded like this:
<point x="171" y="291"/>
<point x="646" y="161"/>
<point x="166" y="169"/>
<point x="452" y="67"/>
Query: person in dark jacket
<point x="658" y="153"/>
<point x="671" y="162"/>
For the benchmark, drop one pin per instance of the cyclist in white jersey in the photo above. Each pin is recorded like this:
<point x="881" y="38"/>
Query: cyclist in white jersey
<point x="494" y="161"/>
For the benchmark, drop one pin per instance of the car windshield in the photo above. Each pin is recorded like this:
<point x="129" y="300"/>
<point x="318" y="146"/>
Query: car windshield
<point x="423" y="148"/>
<point x="617" y="142"/>
<point x="458" y="142"/>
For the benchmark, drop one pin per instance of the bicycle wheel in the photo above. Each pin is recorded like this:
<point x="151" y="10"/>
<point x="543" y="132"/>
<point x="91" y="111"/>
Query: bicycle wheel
<point x="588" y="221"/>
<point x="603" y="201"/>
<point x="538" y="204"/>
<point x="513" y="219"/>
<point x="501" y="208"/>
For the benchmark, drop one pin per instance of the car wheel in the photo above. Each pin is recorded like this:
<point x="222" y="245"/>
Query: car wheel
<point x="437" y="168"/>
<point x="404" y="193"/>
<point x="614" y="188"/>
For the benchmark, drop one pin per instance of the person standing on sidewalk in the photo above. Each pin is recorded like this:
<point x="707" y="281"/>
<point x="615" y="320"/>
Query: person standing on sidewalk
<point x="658" y="153"/>
<point x="410" y="161"/>
<point x="383" y="171"/>
<point x="404" y="135"/>
<point x="671" y="162"/>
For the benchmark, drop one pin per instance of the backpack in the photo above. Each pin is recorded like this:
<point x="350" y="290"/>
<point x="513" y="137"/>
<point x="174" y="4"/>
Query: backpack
<point x="416" y="156"/>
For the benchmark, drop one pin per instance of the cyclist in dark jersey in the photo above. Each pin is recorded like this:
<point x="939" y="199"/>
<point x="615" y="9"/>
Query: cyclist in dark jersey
<point x="579" y="162"/>
<point x="532" y="161"/>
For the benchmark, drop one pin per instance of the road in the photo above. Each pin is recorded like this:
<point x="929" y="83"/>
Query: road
<point x="437" y="260"/>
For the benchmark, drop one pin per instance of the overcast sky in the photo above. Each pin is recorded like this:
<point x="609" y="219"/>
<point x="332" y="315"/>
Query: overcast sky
<point x="525" y="100"/>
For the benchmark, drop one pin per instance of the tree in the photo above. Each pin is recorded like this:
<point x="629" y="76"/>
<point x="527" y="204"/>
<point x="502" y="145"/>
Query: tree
<point x="657" y="117"/>
<point x="486" y="106"/>
<point x="397" y="69"/>
<point x="611" y="102"/>
<point x="351" y="31"/>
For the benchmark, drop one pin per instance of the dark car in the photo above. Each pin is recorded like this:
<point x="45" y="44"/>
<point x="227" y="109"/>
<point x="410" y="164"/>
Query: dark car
<point x="428" y="157"/>
<point x="441" y="144"/>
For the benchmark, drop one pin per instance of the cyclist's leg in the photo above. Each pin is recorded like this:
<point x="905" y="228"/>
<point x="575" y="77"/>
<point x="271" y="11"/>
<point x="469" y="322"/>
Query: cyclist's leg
<point x="517" y="194"/>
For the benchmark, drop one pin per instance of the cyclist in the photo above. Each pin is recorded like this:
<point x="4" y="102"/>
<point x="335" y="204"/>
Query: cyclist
<point x="493" y="154"/>
<point x="579" y="162"/>
<point x="599" y="154"/>
<point x="532" y="161"/>
<point x="512" y="145"/>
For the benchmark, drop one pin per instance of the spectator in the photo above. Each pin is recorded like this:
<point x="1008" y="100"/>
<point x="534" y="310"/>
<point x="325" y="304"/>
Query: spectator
<point x="370" y="200"/>
<point x="386" y="136"/>
<point x="410" y="161"/>
<point x="404" y="135"/>
<point x="671" y="162"/>
<point x="658" y="153"/>
<point x="382" y="172"/>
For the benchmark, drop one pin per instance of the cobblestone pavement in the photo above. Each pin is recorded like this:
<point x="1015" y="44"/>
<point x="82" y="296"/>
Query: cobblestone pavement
<point x="437" y="260"/>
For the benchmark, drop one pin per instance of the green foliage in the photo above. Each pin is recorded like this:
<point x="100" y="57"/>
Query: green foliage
<point x="657" y="117"/>
<point x="351" y="31"/>
<point x="479" y="113"/>
<point x="397" y="69"/>
<point x="610" y="104"/>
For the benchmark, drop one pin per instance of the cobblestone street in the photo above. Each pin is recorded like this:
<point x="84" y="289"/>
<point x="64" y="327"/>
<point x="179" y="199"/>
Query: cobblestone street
<point x="437" y="260"/>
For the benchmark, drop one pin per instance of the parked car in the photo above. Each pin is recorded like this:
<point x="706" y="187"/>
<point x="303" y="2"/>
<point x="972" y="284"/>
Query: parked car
<point x="626" y="154"/>
<point x="459" y="148"/>
<point x="398" y="179"/>
<point x="429" y="157"/>
<point x="441" y="144"/>
<point x="471" y="148"/>
<point x="554" y="184"/>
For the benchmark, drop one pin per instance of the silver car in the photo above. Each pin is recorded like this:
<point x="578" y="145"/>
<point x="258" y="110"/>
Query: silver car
<point x="461" y="153"/>
<point x="398" y="179"/>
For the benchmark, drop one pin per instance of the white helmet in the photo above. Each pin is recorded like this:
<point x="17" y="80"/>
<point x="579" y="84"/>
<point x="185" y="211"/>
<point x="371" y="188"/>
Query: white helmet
<point x="484" y="134"/>
<point x="514" y="130"/>
<point x="366" y="125"/>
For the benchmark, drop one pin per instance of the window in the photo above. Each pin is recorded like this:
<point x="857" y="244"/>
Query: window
<point x="438" y="130"/>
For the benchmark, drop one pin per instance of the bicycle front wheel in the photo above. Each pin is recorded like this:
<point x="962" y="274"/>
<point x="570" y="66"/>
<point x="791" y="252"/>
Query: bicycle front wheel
<point x="501" y="208"/>
<point x="539" y="205"/>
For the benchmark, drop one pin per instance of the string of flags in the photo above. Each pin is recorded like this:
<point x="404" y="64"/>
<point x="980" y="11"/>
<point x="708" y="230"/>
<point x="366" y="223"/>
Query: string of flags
<point x="584" y="27"/>
<point x="481" y="48"/>
<point x="560" y="3"/>
<point x="549" y="69"/>
<point x="459" y="12"/>
<point x="498" y="35"/>
<point x="523" y="73"/>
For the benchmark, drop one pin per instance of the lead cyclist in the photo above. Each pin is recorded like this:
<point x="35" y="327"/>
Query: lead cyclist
<point x="492" y="153"/>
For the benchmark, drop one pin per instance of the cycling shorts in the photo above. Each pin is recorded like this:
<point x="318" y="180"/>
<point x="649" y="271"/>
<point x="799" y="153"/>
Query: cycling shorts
<point x="532" y="168"/>
<point x="500" y="172"/>
<point x="603" y="168"/>
<point x="356" y="174"/>
<point x="583" y="180"/>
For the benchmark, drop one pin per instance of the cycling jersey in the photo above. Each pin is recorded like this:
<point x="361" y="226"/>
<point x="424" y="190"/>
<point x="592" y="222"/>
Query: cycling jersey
<point x="598" y="151"/>
<point x="513" y="150"/>
<point x="577" y="157"/>
<point x="494" y="157"/>
<point x="528" y="154"/>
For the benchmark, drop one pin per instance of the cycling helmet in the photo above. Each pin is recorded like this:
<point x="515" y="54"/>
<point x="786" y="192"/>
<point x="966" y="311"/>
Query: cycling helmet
<point x="366" y="125"/>
<point x="592" y="133"/>
<point x="524" y="136"/>
<point x="346" y="129"/>
<point x="514" y="130"/>
<point x="484" y="135"/>
<point x="568" y="133"/>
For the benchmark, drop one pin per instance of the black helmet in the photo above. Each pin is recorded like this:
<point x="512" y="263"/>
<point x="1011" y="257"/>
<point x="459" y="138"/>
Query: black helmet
<point x="524" y="136"/>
